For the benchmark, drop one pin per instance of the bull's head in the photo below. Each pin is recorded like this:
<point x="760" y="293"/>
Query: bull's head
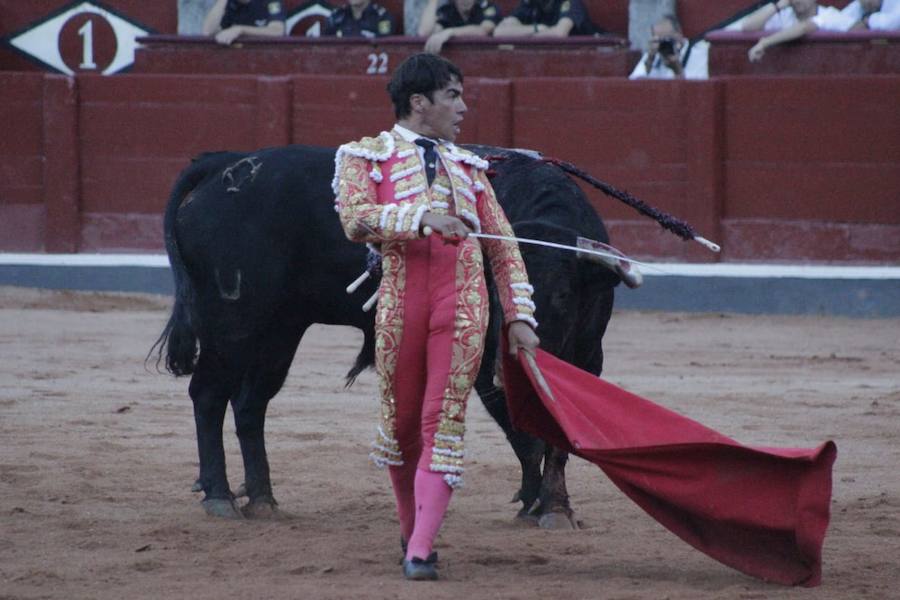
<point x="573" y="296"/>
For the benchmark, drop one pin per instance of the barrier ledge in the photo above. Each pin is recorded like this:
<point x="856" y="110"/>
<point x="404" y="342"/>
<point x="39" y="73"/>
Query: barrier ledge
<point x="583" y="56"/>
<point x="849" y="291"/>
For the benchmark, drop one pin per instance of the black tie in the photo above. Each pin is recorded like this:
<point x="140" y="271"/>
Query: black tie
<point x="430" y="158"/>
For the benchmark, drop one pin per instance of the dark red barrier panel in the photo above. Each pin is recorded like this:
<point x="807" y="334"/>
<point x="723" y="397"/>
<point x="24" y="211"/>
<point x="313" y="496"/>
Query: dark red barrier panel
<point x="644" y="137"/>
<point x="21" y="161"/>
<point x="329" y="111"/>
<point x="138" y="132"/>
<point x="62" y="182"/>
<point x="819" y="53"/>
<point x="477" y="57"/>
<point x="813" y="168"/>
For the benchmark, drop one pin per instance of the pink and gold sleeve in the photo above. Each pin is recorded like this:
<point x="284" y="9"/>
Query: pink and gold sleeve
<point x="505" y="259"/>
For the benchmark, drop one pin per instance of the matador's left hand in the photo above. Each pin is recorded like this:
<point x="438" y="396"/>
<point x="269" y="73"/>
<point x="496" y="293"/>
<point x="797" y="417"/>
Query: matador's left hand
<point x="521" y="335"/>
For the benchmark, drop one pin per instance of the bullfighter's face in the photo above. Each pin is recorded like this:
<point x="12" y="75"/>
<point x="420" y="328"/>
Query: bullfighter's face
<point x="442" y="115"/>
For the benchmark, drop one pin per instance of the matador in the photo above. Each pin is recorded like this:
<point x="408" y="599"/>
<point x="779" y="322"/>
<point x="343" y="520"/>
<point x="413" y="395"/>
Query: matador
<point x="432" y="311"/>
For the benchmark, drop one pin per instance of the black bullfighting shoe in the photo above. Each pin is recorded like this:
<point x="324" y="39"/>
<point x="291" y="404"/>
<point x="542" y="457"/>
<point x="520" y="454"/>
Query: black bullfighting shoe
<point x="417" y="569"/>
<point x="432" y="558"/>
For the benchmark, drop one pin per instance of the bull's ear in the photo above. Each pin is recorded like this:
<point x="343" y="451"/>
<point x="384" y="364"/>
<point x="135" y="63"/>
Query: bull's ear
<point x="546" y="232"/>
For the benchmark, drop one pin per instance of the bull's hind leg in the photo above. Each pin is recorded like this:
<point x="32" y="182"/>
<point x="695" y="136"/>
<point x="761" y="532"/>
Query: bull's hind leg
<point x="261" y="382"/>
<point x="212" y="385"/>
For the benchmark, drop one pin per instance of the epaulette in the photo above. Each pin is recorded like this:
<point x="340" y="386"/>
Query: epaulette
<point x="371" y="148"/>
<point x="380" y="10"/>
<point x="463" y="155"/>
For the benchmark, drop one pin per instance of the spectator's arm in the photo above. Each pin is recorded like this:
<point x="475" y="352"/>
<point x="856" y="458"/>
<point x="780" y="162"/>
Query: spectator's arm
<point x="756" y="20"/>
<point x="213" y="20"/>
<point x="511" y="26"/>
<point x="429" y="24"/>
<point x="272" y="29"/>
<point x="779" y="37"/>
<point x="561" y="29"/>
<point x="437" y="39"/>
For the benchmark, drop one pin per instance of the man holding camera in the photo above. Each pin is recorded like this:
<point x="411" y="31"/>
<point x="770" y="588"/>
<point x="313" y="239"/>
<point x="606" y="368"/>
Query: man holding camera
<point x="668" y="54"/>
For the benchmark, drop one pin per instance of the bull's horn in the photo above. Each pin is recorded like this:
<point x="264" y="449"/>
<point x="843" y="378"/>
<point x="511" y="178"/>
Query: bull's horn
<point x="612" y="259"/>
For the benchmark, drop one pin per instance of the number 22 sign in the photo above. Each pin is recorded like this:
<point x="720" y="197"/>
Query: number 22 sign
<point x="81" y="37"/>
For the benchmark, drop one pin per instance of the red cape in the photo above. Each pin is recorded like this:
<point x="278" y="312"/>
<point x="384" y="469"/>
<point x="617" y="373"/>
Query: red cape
<point x="762" y="511"/>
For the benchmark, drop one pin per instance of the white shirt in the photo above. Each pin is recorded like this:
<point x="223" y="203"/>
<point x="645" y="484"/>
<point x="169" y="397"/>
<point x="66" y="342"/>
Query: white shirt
<point x="697" y="66"/>
<point x="411" y="136"/>
<point x="827" y="18"/>
<point x="886" y="19"/>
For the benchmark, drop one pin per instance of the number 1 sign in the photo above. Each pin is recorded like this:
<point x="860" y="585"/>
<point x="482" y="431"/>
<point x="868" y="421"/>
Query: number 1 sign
<point x="81" y="37"/>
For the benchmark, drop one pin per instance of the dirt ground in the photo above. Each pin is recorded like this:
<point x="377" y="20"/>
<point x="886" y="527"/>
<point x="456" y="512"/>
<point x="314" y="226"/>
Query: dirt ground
<point x="97" y="458"/>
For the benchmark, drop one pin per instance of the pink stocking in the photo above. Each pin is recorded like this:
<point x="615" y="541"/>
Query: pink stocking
<point x="432" y="499"/>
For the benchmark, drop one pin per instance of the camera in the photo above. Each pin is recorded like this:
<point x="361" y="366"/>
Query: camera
<point x="667" y="46"/>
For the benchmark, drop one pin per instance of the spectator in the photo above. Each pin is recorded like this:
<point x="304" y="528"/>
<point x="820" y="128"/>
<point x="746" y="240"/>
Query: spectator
<point x="228" y="20"/>
<point x="547" y="18"/>
<point x="776" y="16"/>
<point x="669" y="55"/>
<point x="881" y="15"/>
<point x="359" y="18"/>
<point x="454" y="18"/>
<point x="412" y="15"/>
<point x="826" y="19"/>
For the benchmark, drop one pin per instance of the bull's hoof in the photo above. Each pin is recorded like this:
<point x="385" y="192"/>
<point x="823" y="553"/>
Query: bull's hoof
<point x="264" y="508"/>
<point x="523" y="517"/>
<point x="197" y="487"/>
<point x="222" y="507"/>
<point x="557" y="521"/>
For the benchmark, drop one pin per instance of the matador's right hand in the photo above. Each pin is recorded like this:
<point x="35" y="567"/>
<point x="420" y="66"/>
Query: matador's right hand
<point x="450" y="228"/>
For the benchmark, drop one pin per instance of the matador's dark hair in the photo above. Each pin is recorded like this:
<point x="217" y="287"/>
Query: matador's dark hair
<point x="420" y="74"/>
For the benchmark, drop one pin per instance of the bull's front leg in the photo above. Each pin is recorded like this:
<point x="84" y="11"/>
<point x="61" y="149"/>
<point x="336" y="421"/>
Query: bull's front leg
<point x="555" y="511"/>
<point x="528" y="449"/>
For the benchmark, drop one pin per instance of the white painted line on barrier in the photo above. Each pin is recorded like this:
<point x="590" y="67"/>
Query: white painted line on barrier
<point x="86" y="260"/>
<point x="767" y="271"/>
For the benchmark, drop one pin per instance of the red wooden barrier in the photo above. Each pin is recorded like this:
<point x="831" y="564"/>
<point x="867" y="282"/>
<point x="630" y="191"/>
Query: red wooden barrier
<point x="21" y="161"/>
<point x="774" y="168"/>
<point x="812" y="168"/>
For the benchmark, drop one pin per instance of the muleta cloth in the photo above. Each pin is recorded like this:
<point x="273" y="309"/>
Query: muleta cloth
<point x="762" y="511"/>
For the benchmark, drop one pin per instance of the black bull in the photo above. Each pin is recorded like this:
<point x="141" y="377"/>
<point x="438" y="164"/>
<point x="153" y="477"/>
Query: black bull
<point x="258" y="255"/>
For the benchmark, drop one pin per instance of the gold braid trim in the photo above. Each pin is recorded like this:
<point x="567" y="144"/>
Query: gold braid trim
<point x="388" y="333"/>
<point x="468" y="344"/>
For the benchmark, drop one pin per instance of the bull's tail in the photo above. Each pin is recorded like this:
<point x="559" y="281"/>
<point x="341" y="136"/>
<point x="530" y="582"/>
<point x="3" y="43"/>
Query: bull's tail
<point x="179" y="338"/>
<point x="364" y="360"/>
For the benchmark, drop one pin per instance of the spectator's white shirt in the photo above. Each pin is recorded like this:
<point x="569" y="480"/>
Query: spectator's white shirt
<point x="887" y="18"/>
<point x="827" y="18"/>
<point x="697" y="66"/>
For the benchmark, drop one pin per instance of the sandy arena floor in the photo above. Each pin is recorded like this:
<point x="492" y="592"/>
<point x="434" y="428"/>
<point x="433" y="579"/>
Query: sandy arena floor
<point x="98" y="457"/>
